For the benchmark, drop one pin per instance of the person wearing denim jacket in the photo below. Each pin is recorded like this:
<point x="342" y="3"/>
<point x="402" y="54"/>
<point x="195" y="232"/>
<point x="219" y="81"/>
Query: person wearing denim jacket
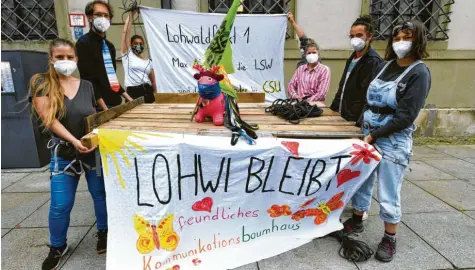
<point x="62" y="102"/>
<point x="394" y="98"/>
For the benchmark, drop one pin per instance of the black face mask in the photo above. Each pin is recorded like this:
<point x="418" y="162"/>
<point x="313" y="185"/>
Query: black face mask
<point x="138" y="49"/>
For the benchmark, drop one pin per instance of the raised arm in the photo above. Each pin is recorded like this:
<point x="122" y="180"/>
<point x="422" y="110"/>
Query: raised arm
<point x="298" y="30"/>
<point x="126" y="32"/>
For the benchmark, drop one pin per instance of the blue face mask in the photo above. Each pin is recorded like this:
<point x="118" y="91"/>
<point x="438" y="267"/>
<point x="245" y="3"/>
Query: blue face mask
<point x="209" y="91"/>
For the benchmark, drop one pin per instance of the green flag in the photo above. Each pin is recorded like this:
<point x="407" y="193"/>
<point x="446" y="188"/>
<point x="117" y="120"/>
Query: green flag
<point x="219" y="51"/>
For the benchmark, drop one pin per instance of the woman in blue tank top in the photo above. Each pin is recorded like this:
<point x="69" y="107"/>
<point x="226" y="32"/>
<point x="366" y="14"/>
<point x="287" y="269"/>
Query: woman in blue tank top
<point x="395" y="96"/>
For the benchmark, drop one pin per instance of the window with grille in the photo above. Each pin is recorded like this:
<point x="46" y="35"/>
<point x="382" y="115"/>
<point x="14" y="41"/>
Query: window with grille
<point x="434" y="14"/>
<point x="28" y="20"/>
<point x="252" y="7"/>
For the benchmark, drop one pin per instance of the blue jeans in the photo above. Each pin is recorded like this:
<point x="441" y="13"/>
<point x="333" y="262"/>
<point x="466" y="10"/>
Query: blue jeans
<point x="63" y="192"/>
<point x="397" y="151"/>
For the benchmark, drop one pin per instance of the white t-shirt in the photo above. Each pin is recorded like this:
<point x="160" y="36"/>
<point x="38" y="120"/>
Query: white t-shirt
<point x="136" y="70"/>
<point x="350" y="68"/>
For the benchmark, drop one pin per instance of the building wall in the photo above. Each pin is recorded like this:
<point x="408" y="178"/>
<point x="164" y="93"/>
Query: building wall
<point x="462" y="26"/>
<point x="327" y="21"/>
<point x="188" y="5"/>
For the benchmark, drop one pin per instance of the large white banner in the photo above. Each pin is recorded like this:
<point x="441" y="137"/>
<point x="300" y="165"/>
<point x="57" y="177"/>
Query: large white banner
<point x="196" y="202"/>
<point x="177" y="38"/>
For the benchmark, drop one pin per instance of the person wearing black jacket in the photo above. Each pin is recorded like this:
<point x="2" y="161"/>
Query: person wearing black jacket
<point x="91" y="49"/>
<point x="351" y="95"/>
<point x="395" y="97"/>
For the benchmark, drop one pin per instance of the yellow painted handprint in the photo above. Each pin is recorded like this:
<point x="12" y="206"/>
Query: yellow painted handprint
<point x="113" y="142"/>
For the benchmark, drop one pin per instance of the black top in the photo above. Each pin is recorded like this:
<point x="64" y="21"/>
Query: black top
<point x="411" y="94"/>
<point x="91" y="67"/>
<point x="77" y="109"/>
<point x="354" y="96"/>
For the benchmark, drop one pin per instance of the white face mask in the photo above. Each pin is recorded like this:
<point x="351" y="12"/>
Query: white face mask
<point x="102" y="24"/>
<point x="358" y="44"/>
<point x="312" y="58"/>
<point x="402" y="48"/>
<point x="65" y="67"/>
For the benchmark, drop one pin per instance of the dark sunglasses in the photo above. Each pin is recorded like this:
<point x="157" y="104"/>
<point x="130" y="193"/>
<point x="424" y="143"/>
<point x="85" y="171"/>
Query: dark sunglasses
<point x="401" y="27"/>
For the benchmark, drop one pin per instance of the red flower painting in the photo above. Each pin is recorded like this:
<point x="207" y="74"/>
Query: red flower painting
<point x="279" y="210"/>
<point x="365" y="153"/>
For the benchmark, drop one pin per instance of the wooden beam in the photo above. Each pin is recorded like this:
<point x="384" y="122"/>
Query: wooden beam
<point x="95" y="120"/>
<point x="273" y="121"/>
<point x="148" y="109"/>
<point x="247" y="118"/>
<point x="208" y="125"/>
<point x="90" y="140"/>
<point x="219" y="131"/>
<point x="191" y="98"/>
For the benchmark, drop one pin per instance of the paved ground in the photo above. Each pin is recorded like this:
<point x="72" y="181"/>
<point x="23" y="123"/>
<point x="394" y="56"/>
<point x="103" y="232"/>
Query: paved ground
<point x="437" y="230"/>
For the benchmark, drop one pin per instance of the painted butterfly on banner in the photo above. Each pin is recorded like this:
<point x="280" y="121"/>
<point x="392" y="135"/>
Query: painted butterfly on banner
<point x="324" y="209"/>
<point x="157" y="236"/>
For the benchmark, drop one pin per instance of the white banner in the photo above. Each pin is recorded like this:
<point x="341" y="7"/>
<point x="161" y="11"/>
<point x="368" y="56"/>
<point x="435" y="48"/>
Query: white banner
<point x="177" y="38"/>
<point x="196" y="202"/>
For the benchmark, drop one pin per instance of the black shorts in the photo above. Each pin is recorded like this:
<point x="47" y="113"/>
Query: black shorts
<point x="144" y="90"/>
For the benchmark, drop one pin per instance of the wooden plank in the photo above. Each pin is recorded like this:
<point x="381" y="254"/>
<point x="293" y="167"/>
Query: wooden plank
<point x="244" y="111"/>
<point x="191" y="106"/>
<point x="191" y="98"/>
<point x="98" y="119"/>
<point x="187" y="105"/>
<point x="251" y="118"/>
<point x="224" y="132"/>
<point x="272" y="121"/>
<point x="205" y="125"/>
<point x="90" y="140"/>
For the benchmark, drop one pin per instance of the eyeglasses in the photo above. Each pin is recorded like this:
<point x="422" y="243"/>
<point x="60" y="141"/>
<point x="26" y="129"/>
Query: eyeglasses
<point x="404" y="26"/>
<point x="105" y="15"/>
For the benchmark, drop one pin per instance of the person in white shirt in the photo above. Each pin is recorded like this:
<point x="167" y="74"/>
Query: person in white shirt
<point x="138" y="71"/>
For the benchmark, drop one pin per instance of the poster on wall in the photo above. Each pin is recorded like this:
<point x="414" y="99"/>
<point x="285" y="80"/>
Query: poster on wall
<point x="196" y="202"/>
<point x="178" y="38"/>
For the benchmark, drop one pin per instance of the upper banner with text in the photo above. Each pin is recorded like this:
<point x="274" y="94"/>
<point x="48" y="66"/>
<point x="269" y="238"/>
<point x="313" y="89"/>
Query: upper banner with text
<point x="177" y="38"/>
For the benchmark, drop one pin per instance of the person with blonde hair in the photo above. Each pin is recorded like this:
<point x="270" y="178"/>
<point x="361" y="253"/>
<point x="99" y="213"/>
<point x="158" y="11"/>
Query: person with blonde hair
<point x="62" y="102"/>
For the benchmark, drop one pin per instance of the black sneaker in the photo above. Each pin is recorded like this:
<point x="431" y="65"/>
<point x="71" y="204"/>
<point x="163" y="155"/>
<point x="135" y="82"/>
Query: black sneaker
<point x="101" y="242"/>
<point x="54" y="257"/>
<point x="350" y="226"/>
<point x="386" y="249"/>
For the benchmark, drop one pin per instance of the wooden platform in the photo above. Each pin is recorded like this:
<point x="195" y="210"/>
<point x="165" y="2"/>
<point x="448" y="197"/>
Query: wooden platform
<point x="176" y="118"/>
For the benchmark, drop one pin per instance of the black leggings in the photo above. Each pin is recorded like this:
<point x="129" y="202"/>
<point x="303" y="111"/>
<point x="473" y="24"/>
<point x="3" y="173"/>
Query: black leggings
<point x="143" y="90"/>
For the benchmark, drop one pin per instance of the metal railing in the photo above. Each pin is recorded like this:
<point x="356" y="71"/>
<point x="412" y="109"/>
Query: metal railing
<point x="253" y="7"/>
<point x="28" y="20"/>
<point x="434" y="14"/>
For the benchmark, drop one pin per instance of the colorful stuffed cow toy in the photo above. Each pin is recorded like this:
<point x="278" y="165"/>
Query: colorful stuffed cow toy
<point x="211" y="102"/>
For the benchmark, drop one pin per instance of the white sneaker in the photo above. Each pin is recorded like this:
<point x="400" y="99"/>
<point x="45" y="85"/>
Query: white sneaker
<point x="365" y="216"/>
